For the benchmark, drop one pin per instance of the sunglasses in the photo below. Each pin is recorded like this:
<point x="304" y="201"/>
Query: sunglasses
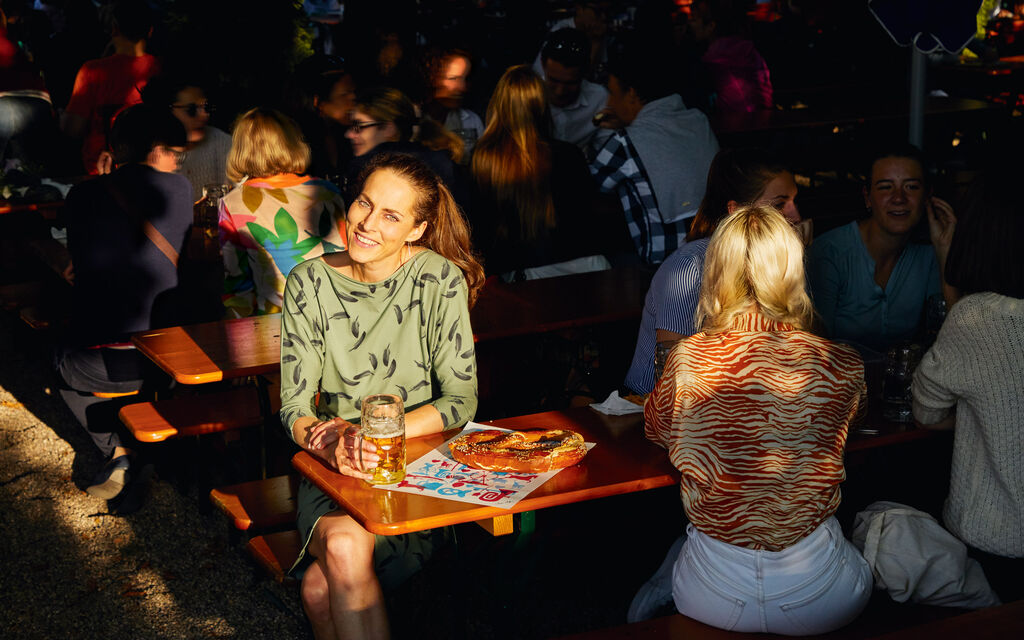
<point x="359" y="127"/>
<point x="565" y="46"/>
<point x="178" y="156"/>
<point x="192" y="108"/>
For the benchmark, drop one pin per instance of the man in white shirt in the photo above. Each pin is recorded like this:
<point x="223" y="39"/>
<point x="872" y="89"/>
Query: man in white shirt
<point x="574" y="100"/>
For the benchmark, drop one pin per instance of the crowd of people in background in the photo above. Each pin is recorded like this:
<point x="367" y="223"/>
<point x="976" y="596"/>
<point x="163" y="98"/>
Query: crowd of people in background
<point x="379" y="167"/>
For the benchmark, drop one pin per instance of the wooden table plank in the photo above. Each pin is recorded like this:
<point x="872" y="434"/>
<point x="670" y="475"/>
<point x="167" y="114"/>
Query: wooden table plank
<point x="212" y="351"/>
<point x="48" y="210"/>
<point x="623" y="461"/>
<point x="566" y="302"/>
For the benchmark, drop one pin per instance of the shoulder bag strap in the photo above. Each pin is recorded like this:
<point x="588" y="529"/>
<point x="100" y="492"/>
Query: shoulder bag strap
<point x="151" y="231"/>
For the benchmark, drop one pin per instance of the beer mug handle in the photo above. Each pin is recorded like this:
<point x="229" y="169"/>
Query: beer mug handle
<point x="359" y="443"/>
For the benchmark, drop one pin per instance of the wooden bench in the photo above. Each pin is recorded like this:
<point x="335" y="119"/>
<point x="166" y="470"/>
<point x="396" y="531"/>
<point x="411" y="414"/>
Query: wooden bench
<point x="276" y="552"/>
<point x="45" y="315"/>
<point x="881" y="616"/>
<point x="20" y="294"/>
<point x="196" y="415"/>
<point x="259" y="504"/>
<point x="994" y="623"/>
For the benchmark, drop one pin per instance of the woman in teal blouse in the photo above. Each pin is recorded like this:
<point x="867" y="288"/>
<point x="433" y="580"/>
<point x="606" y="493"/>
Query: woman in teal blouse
<point x="868" y="280"/>
<point x="388" y="315"/>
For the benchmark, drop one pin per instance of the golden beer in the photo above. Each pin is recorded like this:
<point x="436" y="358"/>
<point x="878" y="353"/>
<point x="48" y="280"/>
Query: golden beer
<point x="383" y="426"/>
<point x="391" y="449"/>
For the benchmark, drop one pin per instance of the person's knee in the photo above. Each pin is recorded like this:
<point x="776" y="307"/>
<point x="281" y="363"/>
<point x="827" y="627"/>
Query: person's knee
<point x="316" y="596"/>
<point x="350" y="556"/>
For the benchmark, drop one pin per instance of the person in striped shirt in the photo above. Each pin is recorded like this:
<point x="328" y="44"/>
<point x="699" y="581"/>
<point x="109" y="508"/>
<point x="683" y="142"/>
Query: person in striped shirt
<point x="754" y="411"/>
<point x="737" y="177"/>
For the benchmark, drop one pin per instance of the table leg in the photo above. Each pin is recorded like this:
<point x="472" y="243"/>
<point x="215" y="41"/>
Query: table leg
<point x="499" y="525"/>
<point x="262" y="386"/>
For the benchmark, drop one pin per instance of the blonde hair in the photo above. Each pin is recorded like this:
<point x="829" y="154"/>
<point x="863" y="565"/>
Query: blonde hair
<point x="754" y="262"/>
<point x="385" y="104"/>
<point x="512" y="159"/>
<point x="266" y="142"/>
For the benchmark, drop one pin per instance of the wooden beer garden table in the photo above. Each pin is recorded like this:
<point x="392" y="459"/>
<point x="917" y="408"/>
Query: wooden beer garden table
<point x="623" y="461"/>
<point x="48" y="210"/>
<point x="213" y="351"/>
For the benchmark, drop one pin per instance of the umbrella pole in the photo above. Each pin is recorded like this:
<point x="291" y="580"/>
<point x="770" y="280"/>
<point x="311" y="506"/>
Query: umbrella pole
<point x="918" y="71"/>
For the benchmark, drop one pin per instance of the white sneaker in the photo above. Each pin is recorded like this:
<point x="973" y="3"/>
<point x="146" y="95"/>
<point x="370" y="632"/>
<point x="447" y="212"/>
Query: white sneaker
<point x="655" y="594"/>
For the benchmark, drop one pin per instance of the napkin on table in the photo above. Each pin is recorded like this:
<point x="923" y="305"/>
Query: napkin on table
<point x="614" y="405"/>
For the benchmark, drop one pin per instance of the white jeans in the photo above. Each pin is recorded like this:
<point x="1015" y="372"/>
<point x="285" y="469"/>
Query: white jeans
<point x="817" y="585"/>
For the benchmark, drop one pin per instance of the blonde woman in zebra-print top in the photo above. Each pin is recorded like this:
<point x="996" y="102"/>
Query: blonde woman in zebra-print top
<point x="754" y="411"/>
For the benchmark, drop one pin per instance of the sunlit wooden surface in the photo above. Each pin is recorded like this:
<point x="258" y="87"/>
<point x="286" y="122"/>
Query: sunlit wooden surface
<point x="212" y="351"/>
<point x="623" y="461"/>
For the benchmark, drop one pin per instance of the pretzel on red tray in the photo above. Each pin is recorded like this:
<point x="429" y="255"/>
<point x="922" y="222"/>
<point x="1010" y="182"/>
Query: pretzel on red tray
<point x="533" y="451"/>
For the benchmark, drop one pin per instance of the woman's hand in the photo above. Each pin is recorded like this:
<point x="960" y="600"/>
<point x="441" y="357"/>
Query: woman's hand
<point x="104" y="163"/>
<point x="941" y="225"/>
<point x="337" y="442"/>
<point x="805" y="229"/>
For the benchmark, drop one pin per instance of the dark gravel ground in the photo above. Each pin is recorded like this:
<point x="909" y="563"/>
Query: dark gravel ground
<point x="71" y="569"/>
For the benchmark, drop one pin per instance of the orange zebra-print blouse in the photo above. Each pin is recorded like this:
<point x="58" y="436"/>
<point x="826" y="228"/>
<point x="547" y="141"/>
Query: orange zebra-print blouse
<point x="755" y="418"/>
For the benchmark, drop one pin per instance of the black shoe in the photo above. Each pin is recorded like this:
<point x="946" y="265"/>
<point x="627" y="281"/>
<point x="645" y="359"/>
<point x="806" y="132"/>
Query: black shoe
<point x="111" y="479"/>
<point x="134" y="495"/>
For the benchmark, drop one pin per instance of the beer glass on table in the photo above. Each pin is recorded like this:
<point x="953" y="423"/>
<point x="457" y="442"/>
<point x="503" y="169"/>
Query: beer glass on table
<point x="897" y="398"/>
<point x="383" y="425"/>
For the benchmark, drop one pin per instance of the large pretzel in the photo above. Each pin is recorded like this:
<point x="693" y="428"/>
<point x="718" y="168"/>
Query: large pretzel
<point x="534" y="451"/>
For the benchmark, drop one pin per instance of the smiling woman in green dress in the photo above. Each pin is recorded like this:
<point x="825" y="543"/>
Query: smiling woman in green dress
<point x="389" y="315"/>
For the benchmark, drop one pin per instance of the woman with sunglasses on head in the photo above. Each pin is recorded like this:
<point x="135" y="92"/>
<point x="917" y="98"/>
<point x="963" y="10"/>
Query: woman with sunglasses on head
<point x="385" y="120"/>
<point x="737" y="177"/>
<point x="754" y="410"/>
<point x="276" y="217"/>
<point x="205" y="158"/>
<point x="346" y="338"/>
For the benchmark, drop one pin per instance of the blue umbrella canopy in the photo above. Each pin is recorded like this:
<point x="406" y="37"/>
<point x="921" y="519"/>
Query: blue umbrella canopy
<point x="929" y="25"/>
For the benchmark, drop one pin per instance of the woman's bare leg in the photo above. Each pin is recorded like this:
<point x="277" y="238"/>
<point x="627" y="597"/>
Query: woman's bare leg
<point x="317" y="602"/>
<point x="345" y="549"/>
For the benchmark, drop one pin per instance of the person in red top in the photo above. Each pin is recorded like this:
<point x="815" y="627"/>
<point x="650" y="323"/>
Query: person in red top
<point x="106" y="85"/>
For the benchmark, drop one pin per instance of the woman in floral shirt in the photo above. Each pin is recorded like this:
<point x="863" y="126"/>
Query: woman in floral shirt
<point x="276" y="217"/>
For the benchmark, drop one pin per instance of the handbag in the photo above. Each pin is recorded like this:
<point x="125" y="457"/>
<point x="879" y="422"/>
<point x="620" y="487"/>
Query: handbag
<point x="914" y="558"/>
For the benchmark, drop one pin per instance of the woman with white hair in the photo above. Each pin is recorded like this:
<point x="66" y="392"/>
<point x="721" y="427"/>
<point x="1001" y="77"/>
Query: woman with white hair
<point x="754" y="411"/>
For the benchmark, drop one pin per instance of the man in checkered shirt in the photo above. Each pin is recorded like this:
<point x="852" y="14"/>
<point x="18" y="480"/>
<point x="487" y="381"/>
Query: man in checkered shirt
<point x="657" y="160"/>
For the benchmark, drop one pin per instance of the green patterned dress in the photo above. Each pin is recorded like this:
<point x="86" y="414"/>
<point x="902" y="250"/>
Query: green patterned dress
<point x="409" y="335"/>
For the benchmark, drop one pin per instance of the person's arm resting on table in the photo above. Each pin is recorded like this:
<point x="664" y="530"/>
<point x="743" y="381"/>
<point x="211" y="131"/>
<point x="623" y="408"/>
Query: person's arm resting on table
<point x="934" y="399"/>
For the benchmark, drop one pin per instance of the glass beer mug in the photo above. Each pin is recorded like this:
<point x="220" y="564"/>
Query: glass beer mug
<point x="383" y="425"/>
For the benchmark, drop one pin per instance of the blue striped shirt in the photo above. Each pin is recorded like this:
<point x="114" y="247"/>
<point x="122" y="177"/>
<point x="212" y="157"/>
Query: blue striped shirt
<point x="671" y="304"/>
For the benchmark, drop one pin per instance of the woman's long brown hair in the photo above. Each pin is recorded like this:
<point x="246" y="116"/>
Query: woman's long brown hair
<point x="447" y="233"/>
<point x="512" y="159"/>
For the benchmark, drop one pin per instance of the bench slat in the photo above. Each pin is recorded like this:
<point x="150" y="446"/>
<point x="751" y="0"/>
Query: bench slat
<point x="258" y="504"/>
<point x="20" y="294"/>
<point x="193" y="415"/>
<point x="276" y="552"/>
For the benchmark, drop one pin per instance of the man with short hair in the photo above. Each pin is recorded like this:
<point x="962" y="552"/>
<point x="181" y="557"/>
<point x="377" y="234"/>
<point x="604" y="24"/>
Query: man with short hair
<point x="574" y="100"/>
<point x="658" y="158"/>
<point x="125" y="231"/>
